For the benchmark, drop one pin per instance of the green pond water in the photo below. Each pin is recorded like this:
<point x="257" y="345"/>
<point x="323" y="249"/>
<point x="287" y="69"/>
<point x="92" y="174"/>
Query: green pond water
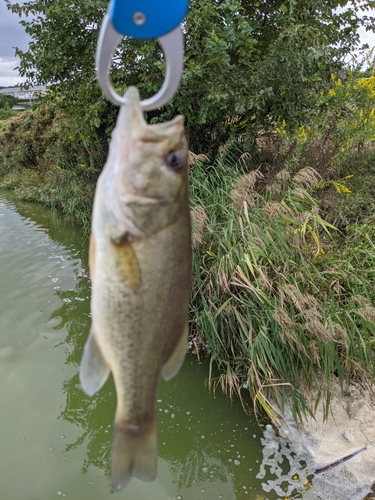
<point x="55" y="440"/>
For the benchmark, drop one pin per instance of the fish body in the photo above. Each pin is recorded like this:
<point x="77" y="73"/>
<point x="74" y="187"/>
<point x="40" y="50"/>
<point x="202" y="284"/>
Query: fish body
<point x="140" y="267"/>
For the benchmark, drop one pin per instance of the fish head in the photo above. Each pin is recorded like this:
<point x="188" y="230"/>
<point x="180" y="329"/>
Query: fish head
<point x="149" y="168"/>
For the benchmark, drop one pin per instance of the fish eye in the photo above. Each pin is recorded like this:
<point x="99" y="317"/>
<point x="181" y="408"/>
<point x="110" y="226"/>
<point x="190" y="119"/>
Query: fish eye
<point x="176" y="160"/>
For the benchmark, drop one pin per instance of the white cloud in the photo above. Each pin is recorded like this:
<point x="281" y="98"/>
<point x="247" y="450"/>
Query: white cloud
<point x="367" y="37"/>
<point x="8" y="75"/>
<point x="12" y="34"/>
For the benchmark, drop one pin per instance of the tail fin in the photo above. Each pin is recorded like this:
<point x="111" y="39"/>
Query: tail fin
<point x="133" y="454"/>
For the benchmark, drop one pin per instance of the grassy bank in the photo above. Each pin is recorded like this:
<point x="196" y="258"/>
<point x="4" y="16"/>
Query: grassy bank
<point x="41" y="162"/>
<point x="281" y="298"/>
<point x="283" y="248"/>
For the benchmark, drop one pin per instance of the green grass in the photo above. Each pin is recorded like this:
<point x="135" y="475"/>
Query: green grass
<point x="57" y="190"/>
<point x="5" y="120"/>
<point x="281" y="300"/>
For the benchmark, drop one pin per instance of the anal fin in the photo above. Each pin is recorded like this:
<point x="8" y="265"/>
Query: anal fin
<point x="174" y="363"/>
<point x="94" y="371"/>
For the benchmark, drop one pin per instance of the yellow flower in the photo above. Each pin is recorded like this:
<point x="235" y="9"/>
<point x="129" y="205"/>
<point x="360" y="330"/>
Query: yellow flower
<point x="70" y="137"/>
<point x="340" y="187"/>
<point x="283" y="123"/>
<point x="360" y="113"/>
<point x="295" y="477"/>
<point x="82" y="165"/>
<point x="58" y="167"/>
<point x="363" y="82"/>
<point x="331" y="92"/>
<point x="339" y="82"/>
<point x="301" y="134"/>
<point x="332" y="76"/>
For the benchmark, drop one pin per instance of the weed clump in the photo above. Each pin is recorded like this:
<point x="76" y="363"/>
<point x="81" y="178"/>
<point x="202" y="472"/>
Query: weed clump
<point x="279" y="302"/>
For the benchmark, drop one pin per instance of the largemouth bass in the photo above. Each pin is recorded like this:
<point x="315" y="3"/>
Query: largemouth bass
<point x="140" y="267"/>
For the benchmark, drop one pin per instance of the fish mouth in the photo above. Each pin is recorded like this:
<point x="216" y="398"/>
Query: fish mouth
<point x="132" y="97"/>
<point x="132" y="112"/>
<point x="130" y="199"/>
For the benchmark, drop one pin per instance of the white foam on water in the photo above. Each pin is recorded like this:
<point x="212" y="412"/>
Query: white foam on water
<point x="290" y="472"/>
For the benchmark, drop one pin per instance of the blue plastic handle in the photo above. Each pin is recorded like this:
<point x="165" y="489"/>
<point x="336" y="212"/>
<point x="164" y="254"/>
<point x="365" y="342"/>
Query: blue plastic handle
<point x="147" y="19"/>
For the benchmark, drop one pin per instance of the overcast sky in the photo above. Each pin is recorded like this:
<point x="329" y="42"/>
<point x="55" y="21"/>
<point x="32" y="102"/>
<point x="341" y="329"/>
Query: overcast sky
<point x="13" y="35"/>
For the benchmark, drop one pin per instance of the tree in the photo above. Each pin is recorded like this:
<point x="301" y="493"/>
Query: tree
<point x="248" y="63"/>
<point x="7" y="101"/>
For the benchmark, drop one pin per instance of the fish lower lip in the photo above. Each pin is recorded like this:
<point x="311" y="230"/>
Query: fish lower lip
<point x="134" y="198"/>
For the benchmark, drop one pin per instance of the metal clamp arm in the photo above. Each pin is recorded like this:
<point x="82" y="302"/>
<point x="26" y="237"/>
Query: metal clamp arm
<point x="172" y="45"/>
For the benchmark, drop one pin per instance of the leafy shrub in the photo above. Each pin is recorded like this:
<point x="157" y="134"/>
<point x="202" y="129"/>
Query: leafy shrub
<point x="40" y="161"/>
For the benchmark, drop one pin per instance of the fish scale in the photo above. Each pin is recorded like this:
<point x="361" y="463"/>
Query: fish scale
<point x="140" y="266"/>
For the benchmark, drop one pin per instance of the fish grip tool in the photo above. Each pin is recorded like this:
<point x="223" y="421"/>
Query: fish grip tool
<point x="144" y="20"/>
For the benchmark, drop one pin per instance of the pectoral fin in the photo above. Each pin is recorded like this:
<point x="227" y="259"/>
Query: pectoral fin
<point x="94" y="371"/>
<point x="127" y="262"/>
<point x="174" y="363"/>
